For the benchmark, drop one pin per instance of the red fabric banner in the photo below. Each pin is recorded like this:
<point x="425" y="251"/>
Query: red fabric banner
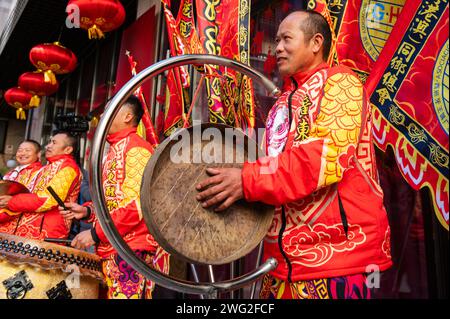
<point x="224" y="28"/>
<point x="177" y="78"/>
<point x="361" y="28"/>
<point x="409" y="92"/>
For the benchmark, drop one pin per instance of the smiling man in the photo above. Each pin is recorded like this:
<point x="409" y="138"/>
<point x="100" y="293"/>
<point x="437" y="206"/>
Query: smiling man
<point x="28" y="156"/>
<point x="41" y="218"/>
<point x="330" y="228"/>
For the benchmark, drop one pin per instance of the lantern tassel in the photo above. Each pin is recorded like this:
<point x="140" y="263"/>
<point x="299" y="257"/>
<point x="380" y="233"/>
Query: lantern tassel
<point x="20" y="114"/>
<point x="95" y="33"/>
<point x="35" y="101"/>
<point x="49" y="76"/>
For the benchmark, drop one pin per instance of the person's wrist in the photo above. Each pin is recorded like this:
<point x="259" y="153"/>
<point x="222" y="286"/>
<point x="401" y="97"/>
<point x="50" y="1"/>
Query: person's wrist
<point x="87" y="213"/>
<point x="94" y="235"/>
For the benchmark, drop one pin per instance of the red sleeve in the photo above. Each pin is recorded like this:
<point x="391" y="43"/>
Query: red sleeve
<point x="282" y="179"/>
<point x="42" y="201"/>
<point x="26" y="203"/>
<point x="319" y="160"/>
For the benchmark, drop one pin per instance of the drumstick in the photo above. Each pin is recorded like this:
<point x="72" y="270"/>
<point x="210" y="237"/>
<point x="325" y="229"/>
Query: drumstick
<point x="60" y="202"/>
<point x="58" y="240"/>
<point x="56" y="197"/>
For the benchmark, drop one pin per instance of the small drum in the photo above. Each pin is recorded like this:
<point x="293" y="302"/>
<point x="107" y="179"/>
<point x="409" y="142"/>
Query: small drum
<point x="32" y="269"/>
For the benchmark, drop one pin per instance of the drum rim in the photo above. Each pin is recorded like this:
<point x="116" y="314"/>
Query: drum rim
<point x="13" y="249"/>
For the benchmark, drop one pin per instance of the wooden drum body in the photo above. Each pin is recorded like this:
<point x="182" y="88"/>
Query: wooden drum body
<point x="32" y="269"/>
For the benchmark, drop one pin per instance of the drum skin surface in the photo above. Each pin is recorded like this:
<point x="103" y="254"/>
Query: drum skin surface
<point x="177" y="220"/>
<point x="32" y="269"/>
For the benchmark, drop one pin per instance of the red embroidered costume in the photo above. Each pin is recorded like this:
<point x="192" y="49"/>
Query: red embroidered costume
<point x="321" y="176"/>
<point x="22" y="174"/>
<point x="41" y="217"/>
<point x="122" y="176"/>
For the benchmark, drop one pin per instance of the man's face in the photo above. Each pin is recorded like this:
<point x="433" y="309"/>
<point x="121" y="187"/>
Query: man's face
<point x="294" y="53"/>
<point x="57" y="146"/>
<point x="27" y="153"/>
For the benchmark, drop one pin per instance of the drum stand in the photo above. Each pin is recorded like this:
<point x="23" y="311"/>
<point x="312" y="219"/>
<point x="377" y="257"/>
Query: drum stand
<point x="208" y="290"/>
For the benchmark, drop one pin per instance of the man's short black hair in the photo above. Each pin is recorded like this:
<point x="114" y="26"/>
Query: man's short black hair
<point x="136" y="108"/>
<point x="35" y="144"/>
<point x="316" y="23"/>
<point x="71" y="140"/>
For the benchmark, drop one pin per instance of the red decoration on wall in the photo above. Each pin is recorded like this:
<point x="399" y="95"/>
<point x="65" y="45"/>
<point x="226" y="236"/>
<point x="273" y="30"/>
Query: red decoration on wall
<point x="99" y="16"/>
<point x="19" y="99"/>
<point x="34" y="82"/>
<point x="51" y="58"/>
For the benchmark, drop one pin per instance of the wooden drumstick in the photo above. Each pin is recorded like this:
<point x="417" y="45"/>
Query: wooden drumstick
<point x="61" y="203"/>
<point x="58" y="240"/>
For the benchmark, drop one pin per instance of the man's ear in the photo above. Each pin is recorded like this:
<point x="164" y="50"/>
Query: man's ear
<point x="68" y="150"/>
<point x="129" y="117"/>
<point x="317" y="43"/>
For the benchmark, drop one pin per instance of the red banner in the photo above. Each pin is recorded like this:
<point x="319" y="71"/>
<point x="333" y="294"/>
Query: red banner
<point x="224" y="28"/>
<point x="361" y="28"/>
<point x="409" y="92"/>
<point x="177" y="78"/>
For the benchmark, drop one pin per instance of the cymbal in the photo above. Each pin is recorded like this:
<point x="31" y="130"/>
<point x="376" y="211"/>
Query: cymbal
<point x="12" y="188"/>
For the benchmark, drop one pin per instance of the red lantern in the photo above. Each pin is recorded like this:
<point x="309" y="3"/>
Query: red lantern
<point x="34" y="82"/>
<point x="99" y="16"/>
<point x="20" y="99"/>
<point x="52" y="58"/>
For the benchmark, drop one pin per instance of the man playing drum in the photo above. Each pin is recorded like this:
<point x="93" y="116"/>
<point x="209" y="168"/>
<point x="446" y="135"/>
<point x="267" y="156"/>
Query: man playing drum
<point x="41" y="218"/>
<point x="122" y="175"/>
<point x="330" y="227"/>
<point x="28" y="156"/>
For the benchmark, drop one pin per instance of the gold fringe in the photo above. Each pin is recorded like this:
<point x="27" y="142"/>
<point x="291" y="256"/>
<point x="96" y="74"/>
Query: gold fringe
<point x="94" y="32"/>
<point x="35" y="101"/>
<point x="49" y="76"/>
<point x="20" y="114"/>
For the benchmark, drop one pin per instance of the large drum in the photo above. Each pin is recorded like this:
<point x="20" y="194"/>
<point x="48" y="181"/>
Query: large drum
<point x="33" y="269"/>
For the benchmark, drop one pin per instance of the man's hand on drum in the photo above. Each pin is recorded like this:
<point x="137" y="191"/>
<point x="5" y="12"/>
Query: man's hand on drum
<point x="222" y="189"/>
<point x="4" y="200"/>
<point x="83" y="240"/>
<point x="73" y="211"/>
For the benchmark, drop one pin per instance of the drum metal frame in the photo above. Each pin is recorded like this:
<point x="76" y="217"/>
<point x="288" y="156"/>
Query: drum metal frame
<point x="210" y="289"/>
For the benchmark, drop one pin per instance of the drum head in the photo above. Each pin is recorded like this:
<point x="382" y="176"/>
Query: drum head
<point x="177" y="220"/>
<point x="12" y="188"/>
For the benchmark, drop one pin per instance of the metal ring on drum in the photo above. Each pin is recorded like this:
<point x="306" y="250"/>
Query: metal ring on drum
<point x="98" y="145"/>
<point x="34" y="269"/>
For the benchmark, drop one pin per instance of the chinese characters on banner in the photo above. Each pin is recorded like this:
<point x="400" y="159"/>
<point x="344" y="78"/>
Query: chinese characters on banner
<point x="409" y="93"/>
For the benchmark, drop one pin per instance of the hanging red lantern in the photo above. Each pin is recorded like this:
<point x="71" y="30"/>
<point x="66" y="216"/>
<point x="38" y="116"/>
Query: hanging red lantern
<point x="20" y="99"/>
<point x="34" y="82"/>
<point x="99" y="16"/>
<point x="51" y="58"/>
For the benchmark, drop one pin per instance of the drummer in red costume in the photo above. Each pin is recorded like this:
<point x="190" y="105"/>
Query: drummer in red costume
<point x="41" y="218"/>
<point x="330" y="227"/>
<point x="28" y="156"/>
<point x="122" y="174"/>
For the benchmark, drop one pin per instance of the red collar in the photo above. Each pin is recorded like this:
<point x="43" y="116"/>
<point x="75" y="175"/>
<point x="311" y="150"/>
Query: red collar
<point x="114" y="138"/>
<point x="59" y="157"/>
<point x="301" y="77"/>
